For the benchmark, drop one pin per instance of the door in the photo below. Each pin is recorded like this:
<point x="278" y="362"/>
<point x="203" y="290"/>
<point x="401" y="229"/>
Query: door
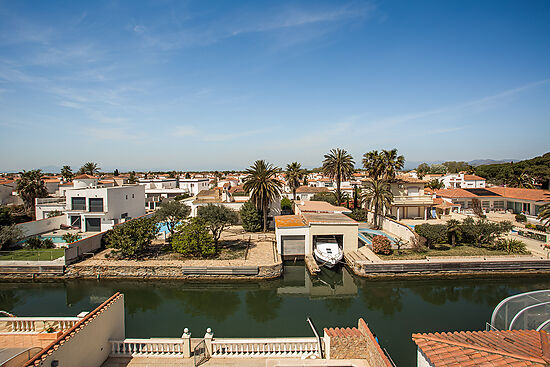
<point x="293" y="246"/>
<point x="75" y="221"/>
<point x="93" y="225"/>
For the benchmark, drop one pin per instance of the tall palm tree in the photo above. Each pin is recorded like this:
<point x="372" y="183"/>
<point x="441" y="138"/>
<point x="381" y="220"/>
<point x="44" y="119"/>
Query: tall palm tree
<point x="377" y="194"/>
<point x="294" y="173"/>
<point x="338" y="165"/>
<point x="453" y="229"/>
<point x="523" y="181"/>
<point x="262" y="186"/>
<point x="392" y="162"/>
<point x="89" y="168"/>
<point x="67" y="173"/>
<point x="373" y="162"/>
<point x="544" y="215"/>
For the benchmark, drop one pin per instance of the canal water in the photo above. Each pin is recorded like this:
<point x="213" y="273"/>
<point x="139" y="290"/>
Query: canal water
<point x="393" y="309"/>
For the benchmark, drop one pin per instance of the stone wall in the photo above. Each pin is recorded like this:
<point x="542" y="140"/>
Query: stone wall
<point x="161" y="272"/>
<point x="377" y="357"/>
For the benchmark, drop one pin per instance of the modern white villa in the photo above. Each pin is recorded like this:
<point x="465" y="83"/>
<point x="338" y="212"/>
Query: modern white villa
<point x="462" y="180"/>
<point x="409" y="199"/>
<point x="93" y="207"/>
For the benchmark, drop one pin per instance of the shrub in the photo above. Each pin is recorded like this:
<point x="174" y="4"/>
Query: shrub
<point x="530" y="226"/>
<point x="483" y="232"/>
<point x="433" y="233"/>
<point x="181" y="197"/>
<point x="511" y="246"/>
<point x="521" y="218"/>
<point x="55" y="213"/>
<point x="329" y="197"/>
<point x="541" y="228"/>
<point x="70" y="237"/>
<point x="418" y="244"/>
<point x="9" y="236"/>
<point x="38" y="243"/>
<point x="286" y="204"/>
<point x="132" y="238"/>
<point x="381" y="245"/>
<point x="217" y="218"/>
<point x="193" y="239"/>
<point x="251" y="217"/>
<point x="359" y="215"/>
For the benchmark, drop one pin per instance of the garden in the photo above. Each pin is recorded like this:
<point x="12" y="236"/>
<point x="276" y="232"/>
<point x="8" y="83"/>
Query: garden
<point x="466" y="238"/>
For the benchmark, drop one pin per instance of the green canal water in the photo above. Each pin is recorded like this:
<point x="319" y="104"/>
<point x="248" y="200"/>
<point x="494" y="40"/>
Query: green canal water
<point x="393" y="309"/>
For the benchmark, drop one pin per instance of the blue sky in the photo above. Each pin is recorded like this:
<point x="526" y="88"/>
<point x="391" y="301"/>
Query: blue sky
<point x="217" y="84"/>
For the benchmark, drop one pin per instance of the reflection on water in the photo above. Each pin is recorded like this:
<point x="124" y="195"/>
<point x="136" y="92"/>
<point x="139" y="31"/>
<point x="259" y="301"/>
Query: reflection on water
<point x="394" y="309"/>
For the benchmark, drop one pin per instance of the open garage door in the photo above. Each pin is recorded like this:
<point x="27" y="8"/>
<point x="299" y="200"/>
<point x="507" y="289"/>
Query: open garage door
<point x="293" y="246"/>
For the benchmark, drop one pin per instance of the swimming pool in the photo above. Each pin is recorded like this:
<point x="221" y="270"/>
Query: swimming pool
<point x="366" y="235"/>
<point x="55" y="239"/>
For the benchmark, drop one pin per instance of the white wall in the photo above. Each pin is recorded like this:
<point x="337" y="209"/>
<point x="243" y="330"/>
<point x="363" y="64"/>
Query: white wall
<point x="422" y="361"/>
<point x="292" y="231"/>
<point x="41" y="226"/>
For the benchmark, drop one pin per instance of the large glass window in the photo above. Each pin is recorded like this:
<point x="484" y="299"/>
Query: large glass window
<point x="96" y="204"/>
<point x="78" y="203"/>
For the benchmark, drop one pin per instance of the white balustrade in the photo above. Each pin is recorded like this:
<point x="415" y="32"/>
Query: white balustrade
<point x="35" y="324"/>
<point x="147" y="347"/>
<point x="265" y="347"/>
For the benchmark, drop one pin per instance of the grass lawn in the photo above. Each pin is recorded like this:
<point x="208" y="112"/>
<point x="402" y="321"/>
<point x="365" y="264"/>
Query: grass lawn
<point x="443" y="250"/>
<point x="32" y="255"/>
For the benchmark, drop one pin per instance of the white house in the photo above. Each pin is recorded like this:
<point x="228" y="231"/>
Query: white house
<point x="462" y="181"/>
<point x="96" y="209"/>
<point x="194" y="185"/>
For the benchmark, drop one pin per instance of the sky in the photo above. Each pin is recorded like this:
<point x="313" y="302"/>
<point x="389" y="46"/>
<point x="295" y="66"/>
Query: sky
<point x="215" y="85"/>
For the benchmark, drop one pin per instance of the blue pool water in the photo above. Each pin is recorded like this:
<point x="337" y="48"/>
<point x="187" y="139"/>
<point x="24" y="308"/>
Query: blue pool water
<point x="366" y="235"/>
<point x="55" y="239"/>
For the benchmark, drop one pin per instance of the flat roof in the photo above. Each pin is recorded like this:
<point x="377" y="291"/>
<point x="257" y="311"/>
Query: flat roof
<point x="287" y="221"/>
<point x="319" y="207"/>
<point x="328" y="218"/>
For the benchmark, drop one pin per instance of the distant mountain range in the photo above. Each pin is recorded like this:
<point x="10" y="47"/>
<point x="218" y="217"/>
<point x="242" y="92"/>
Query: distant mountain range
<point x="476" y="162"/>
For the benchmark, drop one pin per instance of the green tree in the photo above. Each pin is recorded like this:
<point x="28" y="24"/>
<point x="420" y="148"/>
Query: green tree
<point x="251" y="217"/>
<point x="217" y="218"/>
<point x="453" y="231"/>
<point x="378" y="195"/>
<point x="373" y="162"/>
<point x="262" y="186"/>
<point x="392" y="163"/>
<point x="132" y="179"/>
<point x="193" y="239"/>
<point x="172" y="213"/>
<point x="338" y="165"/>
<point x="294" y="173"/>
<point x="116" y="173"/>
<point x="9" y="236"/>
<point x="423" y="169"/>
<point x="438" y="169"/>
<point x="433" y="233"/>
<point x="286" y="204"/>
<point x="435" y="184"/>
<point x="329" y="197"/>
<point x="6" y="218"/>
<point x="29" y="187"/>
<point x="89" y="168"/>
<point x="67" y="173"/>
<point x="455" y="167"/>
<point x="544" y="215"/>
<point x="131" y="239"/>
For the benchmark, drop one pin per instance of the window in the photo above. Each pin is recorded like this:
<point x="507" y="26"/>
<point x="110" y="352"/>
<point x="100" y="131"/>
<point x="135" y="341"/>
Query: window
<point x="132" y="196"/>
<point x="126" y="197"/>
<point x="485" y="204"/>
<point x="123" y="215"/>
<point x="93" y="225"/>
<point x="498" y="204"/>
<point x="95" y="205"/>
<point x="78" y="203"/>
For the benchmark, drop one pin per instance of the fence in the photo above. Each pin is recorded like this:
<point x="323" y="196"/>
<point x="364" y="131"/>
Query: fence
<point x="31" y="255"/>
<point x="265" y="347"/>
<point x="35" y="324"/>
<point x="147" y="347"/>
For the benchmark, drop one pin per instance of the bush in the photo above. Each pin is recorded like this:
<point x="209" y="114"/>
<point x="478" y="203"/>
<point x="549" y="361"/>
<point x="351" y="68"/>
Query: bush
<point x="483" y="232"/>
<point x="418" y="244"/>
<point x="181" y="197"/>
<point x="521" y="218"/>
<point x="359" y="215"/>
<point x="193" y="239"/>
<point x="530" y="226"/>
<point x="541" y="228"/>
<point x="381" y="245"/>
<point x="329" y="197"/>
<point x="55" y="213"/>
<point x="511" y="246"/>
<point x="433" y="233"/>
<point x="286" y="204"/>
<point x="132" y="238"/>
<point x="251" y="217"/>
<point x="9" y="236"/>
<point x="70" y="237"/>
<point x="38" y="243"/>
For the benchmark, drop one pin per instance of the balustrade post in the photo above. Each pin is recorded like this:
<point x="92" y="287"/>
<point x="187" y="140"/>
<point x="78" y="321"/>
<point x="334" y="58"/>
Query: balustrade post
<point x="186" y="343"/>
<point x="208" y="340"/>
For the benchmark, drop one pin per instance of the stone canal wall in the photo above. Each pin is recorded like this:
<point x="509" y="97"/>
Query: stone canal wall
<point x="174" y="272"/>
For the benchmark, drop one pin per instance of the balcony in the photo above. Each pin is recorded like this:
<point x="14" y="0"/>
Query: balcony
<point x="423" y="200"/>
<point x="51" y="201"/>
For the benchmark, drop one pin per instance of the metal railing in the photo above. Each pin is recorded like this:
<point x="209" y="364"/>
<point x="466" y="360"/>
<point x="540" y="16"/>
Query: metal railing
<point x="265" y="347"/>
<point x="42" y="201"/>
<point x="147" y="347"/>
<point x="20" y="325"/>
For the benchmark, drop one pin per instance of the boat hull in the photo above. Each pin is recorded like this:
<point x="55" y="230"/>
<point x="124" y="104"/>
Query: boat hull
<point x="326" y="261"/>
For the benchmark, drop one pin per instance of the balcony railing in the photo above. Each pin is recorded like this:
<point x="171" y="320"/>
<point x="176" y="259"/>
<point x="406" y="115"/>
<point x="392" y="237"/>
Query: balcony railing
<point x="265" y="347"/>
<point x="20" y="325"/>
<point x="57" y="201"/>
<point x="147" y="347"/>
<point x="413" y="200"/>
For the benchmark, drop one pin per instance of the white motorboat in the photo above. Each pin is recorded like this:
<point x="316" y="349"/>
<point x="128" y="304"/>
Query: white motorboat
<point x="327" y="252"/>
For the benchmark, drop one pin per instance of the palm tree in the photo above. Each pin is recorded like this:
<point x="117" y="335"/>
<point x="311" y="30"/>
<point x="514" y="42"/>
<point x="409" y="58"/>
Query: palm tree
<point x="544" y="215"/>
<point x="262" y="186"/>
<point x="338" y="165"/>
<point x="89" y="168"/>
<point x="373" y="162"/>
<point x="294" y="173"/>
<point x="392" y="162"/>
<point x="67" y="173"/>
<point x="29" y="187"/>
<point x="453" y="228"/>
<point x="523" y="181"/>
<point x="377" y="193"/>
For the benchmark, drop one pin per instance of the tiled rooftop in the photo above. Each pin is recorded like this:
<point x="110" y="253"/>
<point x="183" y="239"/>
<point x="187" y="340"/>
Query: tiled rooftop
<point x="485" y="348"/>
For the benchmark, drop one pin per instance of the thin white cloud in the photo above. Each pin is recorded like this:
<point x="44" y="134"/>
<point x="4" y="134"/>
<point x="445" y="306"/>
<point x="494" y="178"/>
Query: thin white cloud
<point x="233" y="135"/>
<point x="185" y="130"/>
